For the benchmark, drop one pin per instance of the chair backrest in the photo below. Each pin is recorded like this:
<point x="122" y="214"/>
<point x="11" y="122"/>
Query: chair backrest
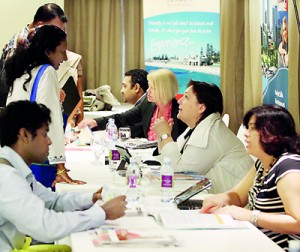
<point x="225" y="119"/>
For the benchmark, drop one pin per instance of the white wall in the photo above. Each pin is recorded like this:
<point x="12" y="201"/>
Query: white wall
<point x="15" y="14"/>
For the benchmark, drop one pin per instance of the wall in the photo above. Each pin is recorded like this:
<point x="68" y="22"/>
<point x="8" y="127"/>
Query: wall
<point x="15" y="14"/>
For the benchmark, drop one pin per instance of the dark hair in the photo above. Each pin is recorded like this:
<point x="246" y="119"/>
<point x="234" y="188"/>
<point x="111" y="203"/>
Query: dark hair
<point x="138" y="76"/>
<point x="46" y="39"/>
<point x="21" y="114"/>
<point x="49" y="11"/>
<point x="276" y="127"/>
<point x="208" y="94"/>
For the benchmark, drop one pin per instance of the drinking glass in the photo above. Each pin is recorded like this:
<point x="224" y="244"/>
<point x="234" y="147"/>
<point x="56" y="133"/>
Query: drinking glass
<point x="124" y="133"/>
<point x="97" y="147"/>
<point x="145" y="184"/>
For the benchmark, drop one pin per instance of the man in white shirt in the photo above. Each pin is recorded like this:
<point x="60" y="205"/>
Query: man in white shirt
<point x="26" y="206"/>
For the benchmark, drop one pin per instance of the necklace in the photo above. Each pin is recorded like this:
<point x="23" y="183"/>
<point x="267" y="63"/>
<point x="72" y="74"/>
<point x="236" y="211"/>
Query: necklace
<point x="265" y="172"/>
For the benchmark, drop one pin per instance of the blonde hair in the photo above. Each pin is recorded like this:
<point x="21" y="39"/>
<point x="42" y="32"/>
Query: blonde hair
<point x="164" y="84"/>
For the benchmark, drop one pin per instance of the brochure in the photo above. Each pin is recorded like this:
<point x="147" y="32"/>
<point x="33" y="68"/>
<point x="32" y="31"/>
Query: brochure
<point x="118" y="236"/>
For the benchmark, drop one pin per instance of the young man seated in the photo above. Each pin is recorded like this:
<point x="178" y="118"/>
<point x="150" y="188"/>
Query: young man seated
<point x="26" y="206"/>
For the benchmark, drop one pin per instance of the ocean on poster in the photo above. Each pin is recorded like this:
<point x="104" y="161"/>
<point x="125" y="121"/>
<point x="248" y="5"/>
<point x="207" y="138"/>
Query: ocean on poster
<point x="184" y="76"/>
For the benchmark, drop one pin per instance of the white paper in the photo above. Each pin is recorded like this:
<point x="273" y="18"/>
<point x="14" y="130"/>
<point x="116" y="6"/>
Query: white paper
<point x="193" y="219"/>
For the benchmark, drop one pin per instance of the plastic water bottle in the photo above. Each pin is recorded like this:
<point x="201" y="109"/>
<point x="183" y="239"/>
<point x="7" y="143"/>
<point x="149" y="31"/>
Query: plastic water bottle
<point x="167" y="176"/>
<point x="294" y="246"/>
<point x="133" y="175"/>
<point x="112" y="130"/>
<point x="114" y="158"/>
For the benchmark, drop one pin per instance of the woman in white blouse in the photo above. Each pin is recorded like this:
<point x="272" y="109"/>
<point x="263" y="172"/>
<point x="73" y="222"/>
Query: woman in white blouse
<point x="207" y="146"/>
<point x="48" y="46"/>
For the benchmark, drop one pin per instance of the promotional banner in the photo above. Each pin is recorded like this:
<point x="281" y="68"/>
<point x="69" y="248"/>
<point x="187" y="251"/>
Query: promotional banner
<point x="183" y="36"/>
<point x="274" y="37"/>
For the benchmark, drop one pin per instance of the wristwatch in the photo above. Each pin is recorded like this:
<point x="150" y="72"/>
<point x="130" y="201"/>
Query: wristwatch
<point x="164" y="136"/>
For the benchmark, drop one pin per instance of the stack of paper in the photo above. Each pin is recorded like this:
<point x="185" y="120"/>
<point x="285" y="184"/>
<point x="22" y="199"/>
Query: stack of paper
<point x="193" y="219"/>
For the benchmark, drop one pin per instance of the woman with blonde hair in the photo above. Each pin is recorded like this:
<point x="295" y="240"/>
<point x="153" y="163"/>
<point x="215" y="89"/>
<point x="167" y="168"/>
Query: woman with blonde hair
<point x="163" y="87"/>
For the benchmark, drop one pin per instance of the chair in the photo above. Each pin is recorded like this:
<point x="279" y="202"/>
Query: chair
<point x="43" y="247"/>
<point x="225" y="119"/>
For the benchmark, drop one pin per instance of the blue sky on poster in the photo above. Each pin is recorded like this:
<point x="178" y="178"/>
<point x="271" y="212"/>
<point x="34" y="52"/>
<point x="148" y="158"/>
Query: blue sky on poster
<point x="183" y="33"/>
<point x="158" y="7"/>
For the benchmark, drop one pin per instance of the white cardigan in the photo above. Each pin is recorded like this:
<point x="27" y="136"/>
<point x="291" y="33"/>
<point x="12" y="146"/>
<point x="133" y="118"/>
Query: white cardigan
<point x="212" y="150"/>
<point x="48" y="94"/>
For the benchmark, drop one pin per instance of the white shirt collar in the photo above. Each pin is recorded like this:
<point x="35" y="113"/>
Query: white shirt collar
<point x="16" y="160"/>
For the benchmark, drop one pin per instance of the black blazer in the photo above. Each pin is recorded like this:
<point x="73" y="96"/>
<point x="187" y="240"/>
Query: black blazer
<point x="139" y="117"/>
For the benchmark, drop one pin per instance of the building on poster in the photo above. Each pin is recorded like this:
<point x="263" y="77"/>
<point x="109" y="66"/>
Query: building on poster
<point x="274" y="37"/>
<point x="183" y="36"/>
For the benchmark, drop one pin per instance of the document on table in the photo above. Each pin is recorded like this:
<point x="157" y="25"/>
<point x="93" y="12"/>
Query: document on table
<point x="121" y="236"/>
<point x="192" y="219"/>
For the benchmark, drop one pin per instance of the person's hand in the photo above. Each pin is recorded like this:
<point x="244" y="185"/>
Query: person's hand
<point x="237" y="213"/>
<point x="213" y="203"/>
<point x="97" y="195"/>
<point x="62" y="95"/>
<point x="87" y="122"/>
<point x="115" y="208"/>
<point x="161" y="126"/>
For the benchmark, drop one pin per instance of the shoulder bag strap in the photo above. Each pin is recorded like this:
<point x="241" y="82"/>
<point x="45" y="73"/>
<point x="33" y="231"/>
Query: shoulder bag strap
<point x="4" y="161"/>
<point x="36" y="82"/>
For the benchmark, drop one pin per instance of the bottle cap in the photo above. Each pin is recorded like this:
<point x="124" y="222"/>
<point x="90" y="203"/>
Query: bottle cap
<point x="167" y="160"/>
<point x="132" y="160"/>
<point x="294" y="244"/>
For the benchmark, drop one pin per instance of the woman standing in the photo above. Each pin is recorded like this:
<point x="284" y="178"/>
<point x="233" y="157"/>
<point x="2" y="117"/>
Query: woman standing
<point x="48" y="46"/>
<point x="207" y="146"/>
<point x="271" y="189"/>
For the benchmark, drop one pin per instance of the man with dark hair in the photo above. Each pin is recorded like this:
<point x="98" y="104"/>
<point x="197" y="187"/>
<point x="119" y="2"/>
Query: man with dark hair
<point x="134" y="86"/>
<point x="26" y="206"/>
<point x="46" y="14"/>
<point x="134" y="91"/>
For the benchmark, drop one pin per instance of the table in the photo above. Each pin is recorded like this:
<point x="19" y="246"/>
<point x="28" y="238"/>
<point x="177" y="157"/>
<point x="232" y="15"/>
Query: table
<point x="115" y="109"/>
<point x="246" y="240"/>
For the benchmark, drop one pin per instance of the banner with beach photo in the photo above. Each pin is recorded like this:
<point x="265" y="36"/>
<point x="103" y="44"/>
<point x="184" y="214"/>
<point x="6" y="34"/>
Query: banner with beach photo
<point x="274" y="39"/>
<point x="183" y="36"/>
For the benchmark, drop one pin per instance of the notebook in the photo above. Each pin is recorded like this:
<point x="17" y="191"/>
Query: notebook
<point x="72" y="96"/>
<point x="183" y="200"/>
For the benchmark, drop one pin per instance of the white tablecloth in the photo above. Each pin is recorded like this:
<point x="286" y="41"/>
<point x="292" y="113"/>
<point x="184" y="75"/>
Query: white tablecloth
<point x="80" y="163"/>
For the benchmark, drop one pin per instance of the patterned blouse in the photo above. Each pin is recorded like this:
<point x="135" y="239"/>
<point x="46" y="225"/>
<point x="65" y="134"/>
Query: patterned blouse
<point x="263" y="195"/>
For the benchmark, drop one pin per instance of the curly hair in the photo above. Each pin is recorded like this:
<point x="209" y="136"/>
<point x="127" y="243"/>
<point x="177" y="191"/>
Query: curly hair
<point x="276" y="128"/>
<point x="46" y="39"/>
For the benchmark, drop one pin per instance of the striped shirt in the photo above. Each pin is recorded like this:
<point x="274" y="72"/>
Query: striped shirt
<point x="263" y="195"/>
